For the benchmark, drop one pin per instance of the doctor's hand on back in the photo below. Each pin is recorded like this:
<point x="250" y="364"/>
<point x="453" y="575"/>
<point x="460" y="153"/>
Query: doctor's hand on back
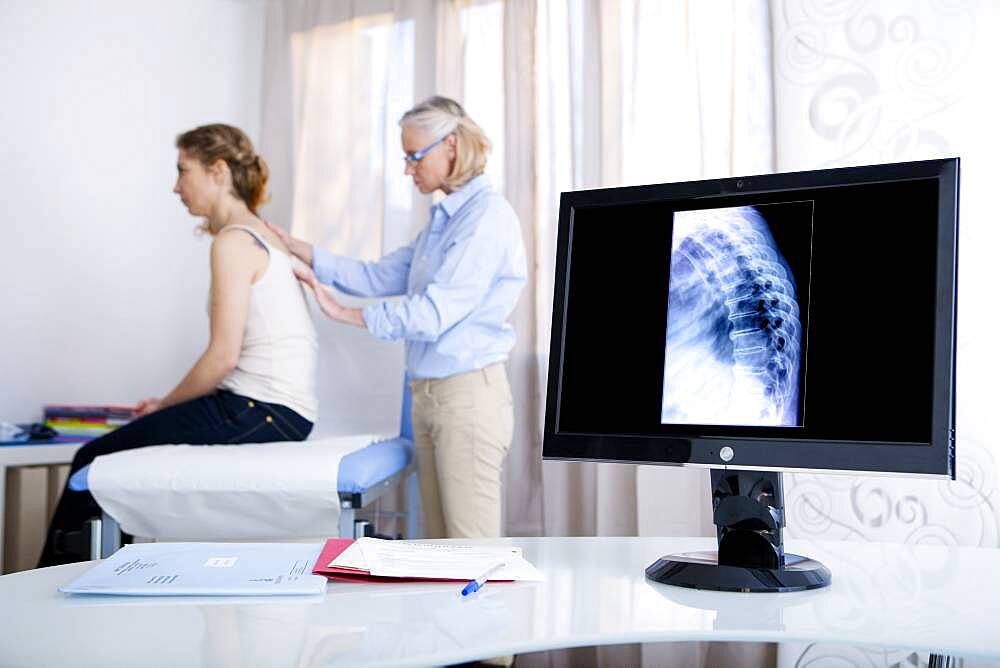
<point x="325" y="298"/>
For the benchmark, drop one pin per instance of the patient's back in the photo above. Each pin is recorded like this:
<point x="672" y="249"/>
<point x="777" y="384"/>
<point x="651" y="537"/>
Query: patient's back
<point x="278" y="359"/>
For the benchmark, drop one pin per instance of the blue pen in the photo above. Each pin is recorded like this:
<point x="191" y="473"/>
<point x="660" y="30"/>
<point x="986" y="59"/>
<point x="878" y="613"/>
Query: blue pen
<point x="480" y="582"/>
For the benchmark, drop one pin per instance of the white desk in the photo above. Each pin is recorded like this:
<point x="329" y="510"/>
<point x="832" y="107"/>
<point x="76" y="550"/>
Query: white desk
<point x="29" y="455"/>
<point x="926" y="598"/>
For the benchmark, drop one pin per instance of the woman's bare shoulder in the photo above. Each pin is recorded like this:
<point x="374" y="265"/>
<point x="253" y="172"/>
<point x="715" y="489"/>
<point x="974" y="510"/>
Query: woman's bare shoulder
<point x="233" y="240"/>
<point x="234" y="248"/>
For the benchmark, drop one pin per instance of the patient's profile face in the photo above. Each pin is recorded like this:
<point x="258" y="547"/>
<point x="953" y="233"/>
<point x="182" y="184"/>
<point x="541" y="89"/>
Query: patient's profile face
<point x="195" y="185"/>
<point x="430" y="172"/>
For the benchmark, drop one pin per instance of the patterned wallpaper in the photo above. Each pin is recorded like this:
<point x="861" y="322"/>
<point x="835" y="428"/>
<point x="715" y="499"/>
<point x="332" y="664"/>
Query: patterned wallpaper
<point x="859" y="82"/>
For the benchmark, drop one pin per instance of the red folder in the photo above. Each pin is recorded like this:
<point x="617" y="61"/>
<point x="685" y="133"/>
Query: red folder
<point x="332" y="549"/>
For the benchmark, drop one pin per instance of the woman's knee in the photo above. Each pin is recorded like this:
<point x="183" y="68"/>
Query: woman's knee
<point x="87" y="453"/>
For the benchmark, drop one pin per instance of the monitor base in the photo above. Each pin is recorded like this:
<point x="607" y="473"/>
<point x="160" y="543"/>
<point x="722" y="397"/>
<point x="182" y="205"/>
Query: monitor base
<point x="701" y="570"/>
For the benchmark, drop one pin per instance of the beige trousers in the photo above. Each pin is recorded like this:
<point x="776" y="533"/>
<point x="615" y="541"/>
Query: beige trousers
<point x="462" y="427"/>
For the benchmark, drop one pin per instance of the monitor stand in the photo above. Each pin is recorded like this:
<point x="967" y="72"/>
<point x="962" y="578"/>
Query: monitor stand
<point x="748" y="509"/>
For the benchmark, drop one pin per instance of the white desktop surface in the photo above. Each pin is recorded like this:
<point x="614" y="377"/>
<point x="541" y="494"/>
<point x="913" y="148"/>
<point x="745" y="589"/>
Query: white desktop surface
<point x="927" y="598"/>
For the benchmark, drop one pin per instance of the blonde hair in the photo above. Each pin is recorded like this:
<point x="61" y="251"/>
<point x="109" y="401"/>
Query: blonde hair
<point x="218" y="141"/>
<point x="441" y="116"/>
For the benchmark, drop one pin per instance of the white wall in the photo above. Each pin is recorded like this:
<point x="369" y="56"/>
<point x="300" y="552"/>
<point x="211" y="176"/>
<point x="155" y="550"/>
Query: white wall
<point x="103" y="284"/>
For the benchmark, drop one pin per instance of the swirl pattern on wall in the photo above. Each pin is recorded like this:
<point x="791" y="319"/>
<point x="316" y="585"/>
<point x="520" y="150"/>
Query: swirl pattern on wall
<point x="873" y="72"/>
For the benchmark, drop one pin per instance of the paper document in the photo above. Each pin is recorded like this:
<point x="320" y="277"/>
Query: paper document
<point x="204" y="569"/>
<point x="352" y="558"/>
<point x="433" y="561"/>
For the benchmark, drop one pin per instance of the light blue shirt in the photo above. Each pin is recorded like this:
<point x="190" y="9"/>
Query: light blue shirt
<point x="462" y="276"/>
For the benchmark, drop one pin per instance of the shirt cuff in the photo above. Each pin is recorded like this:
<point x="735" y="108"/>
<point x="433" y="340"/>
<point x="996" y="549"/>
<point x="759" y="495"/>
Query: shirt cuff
<point x="376" y="317"/>
<point x="325" y="265"/>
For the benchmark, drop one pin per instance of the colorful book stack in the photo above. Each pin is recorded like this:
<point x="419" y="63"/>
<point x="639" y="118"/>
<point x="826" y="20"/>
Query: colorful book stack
<point x="87" y="420"/>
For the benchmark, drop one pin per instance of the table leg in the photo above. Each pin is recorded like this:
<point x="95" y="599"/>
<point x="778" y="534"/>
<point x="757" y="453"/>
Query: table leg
<point x="3" y="513"/>
<point x="111" y="536"/>
<point x="346" y="520"/>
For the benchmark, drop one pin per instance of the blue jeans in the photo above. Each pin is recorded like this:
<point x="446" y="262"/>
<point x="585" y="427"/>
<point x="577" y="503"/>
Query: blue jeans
<point x="218" y="418"/>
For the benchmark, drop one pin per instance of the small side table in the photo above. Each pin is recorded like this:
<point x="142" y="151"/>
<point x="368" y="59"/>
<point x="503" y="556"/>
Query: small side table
<point x="32" y="453"/>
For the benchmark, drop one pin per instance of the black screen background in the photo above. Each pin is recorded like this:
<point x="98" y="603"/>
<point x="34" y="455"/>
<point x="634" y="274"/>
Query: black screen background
<point x="868" y="364"/>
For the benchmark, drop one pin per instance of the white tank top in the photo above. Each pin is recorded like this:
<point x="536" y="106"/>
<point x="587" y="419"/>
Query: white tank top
<point x="278" y="359"/>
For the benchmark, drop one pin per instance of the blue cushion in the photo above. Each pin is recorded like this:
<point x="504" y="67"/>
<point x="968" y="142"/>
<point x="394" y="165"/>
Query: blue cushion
<point x="366" y="467"/>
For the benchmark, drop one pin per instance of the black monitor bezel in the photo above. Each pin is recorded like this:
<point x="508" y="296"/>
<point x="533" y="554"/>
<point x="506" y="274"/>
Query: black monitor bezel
<point x="936" y="458"/>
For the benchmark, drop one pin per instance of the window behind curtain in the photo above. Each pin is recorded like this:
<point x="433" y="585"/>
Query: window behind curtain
<point x="352" y="81"/>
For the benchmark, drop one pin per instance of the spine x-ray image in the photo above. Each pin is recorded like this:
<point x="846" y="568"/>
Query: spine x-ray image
<point x="734" y="337"/>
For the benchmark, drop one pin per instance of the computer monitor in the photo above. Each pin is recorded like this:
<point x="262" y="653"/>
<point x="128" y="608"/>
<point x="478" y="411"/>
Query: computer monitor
<point x="753" y="325"/>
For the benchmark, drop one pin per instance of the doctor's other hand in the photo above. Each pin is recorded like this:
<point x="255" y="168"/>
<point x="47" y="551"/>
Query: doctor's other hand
<point x="297" y="247"/>
<point x="325" y="299"/>
<point x="147" y="406"/>
<point x="333" y="310"/>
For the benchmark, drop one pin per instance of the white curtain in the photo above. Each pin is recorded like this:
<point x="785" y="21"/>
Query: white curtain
<point x="871" y="82"/>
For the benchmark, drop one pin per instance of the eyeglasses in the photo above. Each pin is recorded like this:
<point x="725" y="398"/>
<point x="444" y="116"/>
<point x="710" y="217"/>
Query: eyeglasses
<point x="417" y="156"/>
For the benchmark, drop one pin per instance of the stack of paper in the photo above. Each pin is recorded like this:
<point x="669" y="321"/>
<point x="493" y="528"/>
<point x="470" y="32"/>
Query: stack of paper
<point x="203" y="569"/>
<point x="376" y="560"/>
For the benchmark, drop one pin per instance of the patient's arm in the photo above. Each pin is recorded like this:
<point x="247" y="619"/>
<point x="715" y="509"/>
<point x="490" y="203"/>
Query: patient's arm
<point x="236" y="261"/>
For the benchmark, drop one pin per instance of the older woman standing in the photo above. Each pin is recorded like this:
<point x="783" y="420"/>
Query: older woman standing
<point x="461" y="278"/>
